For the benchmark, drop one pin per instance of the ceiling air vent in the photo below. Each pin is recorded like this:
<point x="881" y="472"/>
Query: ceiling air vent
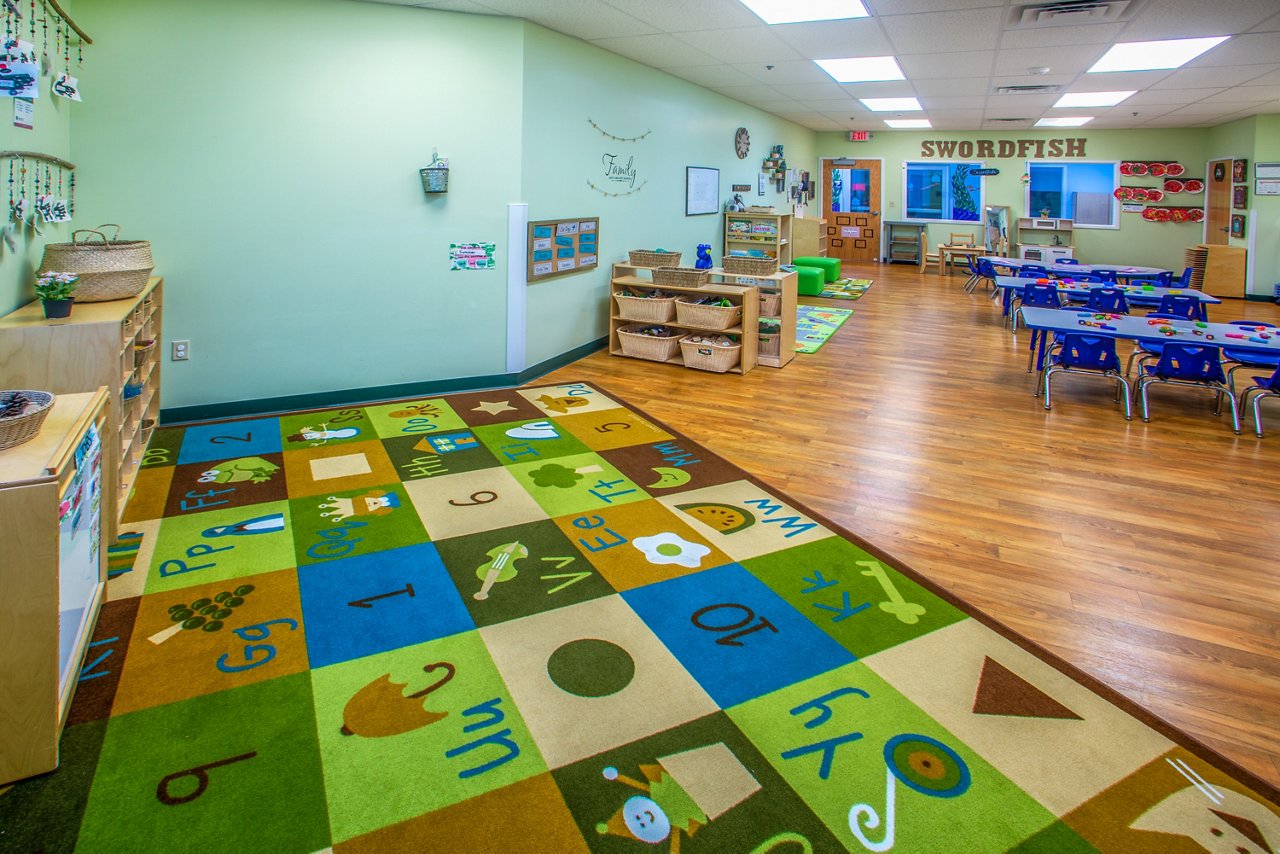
<point x="1071" y="13"/>
<point x="1030" y="89"/>
<point x="1008" y="121"/>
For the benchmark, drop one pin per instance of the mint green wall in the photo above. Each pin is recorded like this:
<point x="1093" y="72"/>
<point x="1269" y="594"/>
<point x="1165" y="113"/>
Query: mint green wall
<point x="270" y="152"/>
<point x="51" y="135"/>
<point x="567" y="82"/>
<point x="1135" y="242"/>
<point x="1255" y="139"/>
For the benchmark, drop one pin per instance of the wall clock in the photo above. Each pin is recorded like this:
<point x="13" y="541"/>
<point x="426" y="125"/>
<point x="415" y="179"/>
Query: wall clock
<point x="742" y="143"/>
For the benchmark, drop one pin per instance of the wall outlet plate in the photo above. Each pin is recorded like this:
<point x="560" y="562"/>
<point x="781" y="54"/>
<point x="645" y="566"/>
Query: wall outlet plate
<point x="181" y="351"/>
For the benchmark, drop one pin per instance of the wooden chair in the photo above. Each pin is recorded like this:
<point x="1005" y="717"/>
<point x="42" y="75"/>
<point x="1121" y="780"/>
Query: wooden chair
<point x="958" y="239"/>
<point x="926" y="257"/>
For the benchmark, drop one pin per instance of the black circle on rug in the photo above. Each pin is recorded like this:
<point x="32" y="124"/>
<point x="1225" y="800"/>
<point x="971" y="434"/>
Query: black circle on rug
<point x="591" y="667"/>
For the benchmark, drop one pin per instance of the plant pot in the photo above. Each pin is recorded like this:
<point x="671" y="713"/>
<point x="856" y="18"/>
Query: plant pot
<point x="55" y="308"/>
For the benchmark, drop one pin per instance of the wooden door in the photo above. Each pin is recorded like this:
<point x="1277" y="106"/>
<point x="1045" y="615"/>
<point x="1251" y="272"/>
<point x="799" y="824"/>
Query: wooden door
<point x="851" y="201"/>
<point x="1217" y="209"/>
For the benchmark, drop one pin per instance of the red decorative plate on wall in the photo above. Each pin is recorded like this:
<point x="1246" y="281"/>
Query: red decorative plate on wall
<point x="1162" y="214"/>
<point x="1155" y="195"/>
<point x="1149" y="214"/>
<point x="1139" y="194"/>
<point x="1138" y="168"/>
<point x="1175" y="169"/>
<point x="1126" y="168"/>
<point x="1179" y="215"/>
<point x="1193" y="185"/>
<point x="1124" y="194"/>
<point x="1173" y="185"/>
<point x="1196" y="215"/>
<point x="1156" y="169"/>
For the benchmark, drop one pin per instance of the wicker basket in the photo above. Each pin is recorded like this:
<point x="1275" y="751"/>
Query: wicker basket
<point x="714" y="317"/>
<point x="710" y="357"/>
<point x="770" y="304"/>
<point x="145" y="430"/>
<point x="770" y="344"/>
<point x="21" y="428"/>
<point x="649" y="347"/>
<point x="647" y="309"/>
<point x="109" y="269"/>
<point x="680" y="277"/>
<point x="764" y="209"/>
<point x="141" y="351"/>
<point x="653" y="258"/>
<point x="750" y="265"/>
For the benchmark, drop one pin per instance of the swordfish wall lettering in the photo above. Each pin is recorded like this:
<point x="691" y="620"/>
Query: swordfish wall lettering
<point x="1002" y="149"/>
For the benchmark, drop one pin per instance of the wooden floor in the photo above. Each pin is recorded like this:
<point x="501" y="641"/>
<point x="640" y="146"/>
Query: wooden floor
<point x="1146" y="554"/>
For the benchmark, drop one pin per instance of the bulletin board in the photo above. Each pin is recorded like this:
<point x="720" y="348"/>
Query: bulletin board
<point x="558" y="247"/>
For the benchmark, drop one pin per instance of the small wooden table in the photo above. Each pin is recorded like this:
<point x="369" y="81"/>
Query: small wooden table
<point x="947" y="253"/>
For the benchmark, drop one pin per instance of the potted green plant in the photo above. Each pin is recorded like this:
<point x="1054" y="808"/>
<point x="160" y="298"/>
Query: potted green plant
<point x="54" y="290"/>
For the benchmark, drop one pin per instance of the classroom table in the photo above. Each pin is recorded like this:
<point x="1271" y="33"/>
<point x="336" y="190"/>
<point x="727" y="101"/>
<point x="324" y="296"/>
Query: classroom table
<point x="1135" y="294"/>
<point x="1138" y="328"/>
<point x="1126" y="272"/>
<point x="947" y="253"/>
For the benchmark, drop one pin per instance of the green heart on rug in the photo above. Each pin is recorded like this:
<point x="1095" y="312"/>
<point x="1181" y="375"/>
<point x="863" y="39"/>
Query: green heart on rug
<point x="846" y="289"/>
<point x="815" y="324"/>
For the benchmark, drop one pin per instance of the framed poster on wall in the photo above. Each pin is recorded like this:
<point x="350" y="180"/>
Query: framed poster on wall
<point x="561" y="246"/>
<point x="1240" y="198"/>
<point x="701" y="190"/>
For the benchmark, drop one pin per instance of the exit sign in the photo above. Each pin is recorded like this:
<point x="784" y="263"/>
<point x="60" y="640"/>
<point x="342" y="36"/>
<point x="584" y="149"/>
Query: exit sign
<point x="859" y="135"/>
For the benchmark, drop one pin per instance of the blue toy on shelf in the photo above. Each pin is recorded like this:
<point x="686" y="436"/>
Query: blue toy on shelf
<point x="704" y="257"/>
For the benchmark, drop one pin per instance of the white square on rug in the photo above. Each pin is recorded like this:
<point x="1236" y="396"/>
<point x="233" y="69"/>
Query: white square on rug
<point x="348" y="465"/>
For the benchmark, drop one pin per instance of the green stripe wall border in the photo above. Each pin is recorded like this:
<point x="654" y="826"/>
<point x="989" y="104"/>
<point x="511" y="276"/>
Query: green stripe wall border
<point x="326" y="399"/>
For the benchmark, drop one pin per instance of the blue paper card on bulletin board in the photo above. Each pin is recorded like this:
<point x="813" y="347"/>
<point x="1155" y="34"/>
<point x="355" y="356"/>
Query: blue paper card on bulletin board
<point x="561" y="246"/>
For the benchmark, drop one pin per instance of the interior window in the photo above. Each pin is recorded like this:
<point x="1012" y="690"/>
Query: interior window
<point x="948" y="192"/>
<point x="1081" y="192"/>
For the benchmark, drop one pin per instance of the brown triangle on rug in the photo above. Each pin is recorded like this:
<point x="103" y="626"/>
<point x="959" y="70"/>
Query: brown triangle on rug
<point x="1003" y="692"/>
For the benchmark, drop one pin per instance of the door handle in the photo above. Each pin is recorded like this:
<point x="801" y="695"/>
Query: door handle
<point x="875" y="213"/>
<point x="1224" y="229"/>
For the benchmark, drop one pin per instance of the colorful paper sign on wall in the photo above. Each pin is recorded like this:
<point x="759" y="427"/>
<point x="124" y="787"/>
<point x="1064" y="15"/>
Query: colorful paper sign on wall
<point x="66" y="86"/>
<point x="471" y="256"/>
<point x="19" y="79"/>
<point x="24" y="113"/>
<point x="562" y="246"/>
<point x="850" y="231"/>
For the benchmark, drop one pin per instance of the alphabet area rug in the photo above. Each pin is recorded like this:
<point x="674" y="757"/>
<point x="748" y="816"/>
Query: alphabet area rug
<point x="538" y="620"/>
<point x="815" y="324"/>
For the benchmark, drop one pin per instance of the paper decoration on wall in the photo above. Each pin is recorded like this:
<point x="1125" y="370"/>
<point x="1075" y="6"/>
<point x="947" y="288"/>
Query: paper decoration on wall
<point x="1240" y="197"/>
<point x="560" y="246"/>
<point x="471" y="256"/>
<point x="618" y="138"/>
<point x="41" y="190"/>
<point x="1190" y="185"/>
<point x="20" y="57"/>
<point x="1156" y="169"/>
<point x="1239" y="171"/>
<point x="66" y="86"/>
<point x="19" y="79"/>
<point x="1138" y="194"/>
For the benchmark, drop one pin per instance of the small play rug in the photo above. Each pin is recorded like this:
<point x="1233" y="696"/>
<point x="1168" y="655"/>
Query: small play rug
<point x="536" y="620"/>
<point x="815" y="324"/>
<point x="846" y="289"/>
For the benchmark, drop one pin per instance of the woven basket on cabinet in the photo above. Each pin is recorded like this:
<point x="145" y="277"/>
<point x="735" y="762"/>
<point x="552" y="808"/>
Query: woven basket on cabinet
<point x="680" y="277"/>
<point x="652" y="258"/>
<point x="715" y="317"/>
<point x="653" y="347"/>
<point x="646" y="309"/>
<point x="750" y="265"/>
<point x="109" y="269"/>
<point x="24" y="427"/>
<point x="710" y="357"/>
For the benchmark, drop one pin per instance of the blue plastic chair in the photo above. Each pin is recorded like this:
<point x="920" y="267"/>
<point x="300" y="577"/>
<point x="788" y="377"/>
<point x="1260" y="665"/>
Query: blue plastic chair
<point x="1039" y="269"/>
<point x="1245" y="359"/>
<point x="1180" y="305"/>
<point x="1137" y="283"/>
<point x="1165" y="279"/>
<point x="1035" y="296"/>
<point x="1086" y="277"/>
<point x="986" y="273"/>
<point x="1024" y="273"/>
<point x="1185" y="279"/>
<point x="974" y="275"/>
<point x="1189" y="364"/>
<point x="1144" y="351"/>
<point x="1111" y="276"/>
<point x="1264" y="387"/>
<point x="1067" y="262"/>
<point x="1085" y="354"/>
<point x="1110" y="300"/>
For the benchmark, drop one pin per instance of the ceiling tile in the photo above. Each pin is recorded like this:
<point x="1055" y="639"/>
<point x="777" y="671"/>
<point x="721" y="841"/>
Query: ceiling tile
<point x="659" y="51"/>
<point x="886" y="89"/>
<point x="1248" y="49"/>
<point x="813" y="91"/>
<point x="756" y="92"/>
<point x="959" y="86"/>
<point x="678" y="16"/>
<point x="732" y="46"/>
<point x="791" y="71"/>
<point x="1019" y="105"/>
<point x="1269" y="79"/>
<point x="1067" y="59"/>
<point x="1270" y="25"/>
<point x="926" y="66"/>
<point x="458" y="6"/>
<point x="1171" y="96"/>
<point x="835" y="39"/>
<point x="1204" y="77"/>
<point x="962" y="102"/>
<point x="1251" y="92"/>
<point x="1181" y="19"/>
<point x="1117" y="81"/>
<point x="711" y="75"/>
<point x="1216" y="108"/>
<point x="832" y="107"/>
<point x="976" y="29"/>
<point x="886" y="8"/>
<point x="585" y="19"/>
<point x="1097" y="34"/>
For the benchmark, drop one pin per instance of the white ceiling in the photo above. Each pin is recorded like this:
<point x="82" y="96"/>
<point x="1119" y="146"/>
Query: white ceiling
<point x="954" y="53"/>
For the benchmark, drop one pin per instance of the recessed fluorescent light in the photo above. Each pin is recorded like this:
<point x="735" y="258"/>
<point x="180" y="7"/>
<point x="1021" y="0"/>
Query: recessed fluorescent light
<point x="889" y="105"/>
<point x="862" y="69"/>
<point x="908" y="123"/>
<point x="791" y="11"/>
<point x="1069" y="122"/>
<point x="1145" y="56"/>
<point x="1092" y="99"/>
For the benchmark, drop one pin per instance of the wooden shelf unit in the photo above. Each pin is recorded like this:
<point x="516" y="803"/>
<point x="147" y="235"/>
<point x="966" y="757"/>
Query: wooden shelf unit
<point x="627" y="276"/>
<point x="1045" y="250"/>
<point x="785" y="285"/>
<point x="808" y="237"/>
<point x="52" y="575"/>
<point x="1217" y="269"/>
<point x="902" y="241"/>
<point x="769" y="233"/>
<point x="91" y="348"/>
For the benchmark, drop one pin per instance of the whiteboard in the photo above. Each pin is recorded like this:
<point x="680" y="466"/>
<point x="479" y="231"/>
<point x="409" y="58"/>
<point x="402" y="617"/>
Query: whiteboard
<point x="701" y="190"/>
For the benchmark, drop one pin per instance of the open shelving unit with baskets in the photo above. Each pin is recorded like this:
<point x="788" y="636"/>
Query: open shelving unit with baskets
<point x="98" y="345"/>
<point x="778" y="297"/>
<point x="626" y="312"/>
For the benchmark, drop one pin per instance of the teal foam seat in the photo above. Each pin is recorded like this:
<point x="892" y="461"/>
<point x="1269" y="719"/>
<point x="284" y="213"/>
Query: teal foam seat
<point x="809" y="281"/>
<point x="830" y="267"/>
